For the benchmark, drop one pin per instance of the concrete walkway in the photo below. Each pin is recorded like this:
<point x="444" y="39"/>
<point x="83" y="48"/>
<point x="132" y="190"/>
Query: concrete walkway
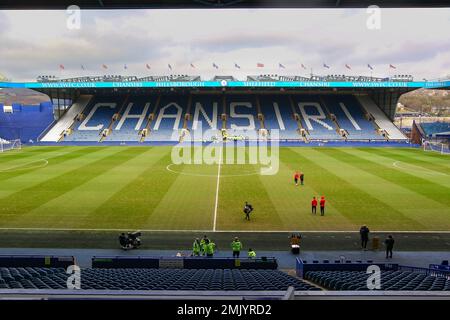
<point x="286" y="260"/>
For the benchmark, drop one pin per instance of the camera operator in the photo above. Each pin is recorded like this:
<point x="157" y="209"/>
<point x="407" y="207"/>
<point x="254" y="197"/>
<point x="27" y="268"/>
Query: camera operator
<point x="130" y="240"/>
<point x="123" y="240"/>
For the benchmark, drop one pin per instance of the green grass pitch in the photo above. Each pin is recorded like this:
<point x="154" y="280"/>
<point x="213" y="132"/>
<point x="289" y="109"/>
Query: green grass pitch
<point x="128" y="188"/>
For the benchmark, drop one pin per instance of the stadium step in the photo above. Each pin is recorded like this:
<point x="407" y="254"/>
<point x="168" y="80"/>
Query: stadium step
<point x="144" y="133"/>
<point x="303" y="132"/>
<point x="380" y="119"/>
<point x="187" y="117"/>
<point x="341" y="132"/>
<point x="67" y="120"/>
<point x="114" y="118"/>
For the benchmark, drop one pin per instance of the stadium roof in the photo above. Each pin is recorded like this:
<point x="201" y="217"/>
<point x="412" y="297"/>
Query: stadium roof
<point x="332" y="83"/>
<point x="174" y="4"/>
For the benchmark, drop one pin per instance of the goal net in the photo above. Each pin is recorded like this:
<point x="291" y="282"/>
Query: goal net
<point x="6" y="145"/>
<point x="442" y="148"/>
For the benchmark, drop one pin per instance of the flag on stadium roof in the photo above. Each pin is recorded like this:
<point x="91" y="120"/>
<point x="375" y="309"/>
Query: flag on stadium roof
<point x="125" y="67"/>
<point x="260" y="65"/>
<point x="148" y="66"/>
<point x="61" y="67"/>
<point x="326" y="66"/>
<point x="215" y="65"/>
<point x="104" y="66"/>
<point x="392" y="67"/>
<point x="369" y="66"/>
<point x="192" y="65"/>
<point x="237" y="66"/>
<point x="169" y="66"/>
<point x="348" y="67"/>
<point x="281" y="66"/>
<point x="303" y="66"/>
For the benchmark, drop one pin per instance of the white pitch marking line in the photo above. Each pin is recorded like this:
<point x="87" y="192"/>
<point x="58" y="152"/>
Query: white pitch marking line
<point x="168" y="168"/>
<point x="422" y="170"/>
<point x="217" y="190"/>
<point x="23" y="166"/>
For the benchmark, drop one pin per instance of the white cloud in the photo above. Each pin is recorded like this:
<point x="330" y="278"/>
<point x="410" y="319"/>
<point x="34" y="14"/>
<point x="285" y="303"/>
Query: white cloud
<point x="36" y="42"/>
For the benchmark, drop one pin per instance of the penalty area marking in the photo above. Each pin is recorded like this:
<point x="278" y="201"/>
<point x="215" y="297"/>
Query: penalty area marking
<point x="415" y="168"/>
<point x="43" y="163"/>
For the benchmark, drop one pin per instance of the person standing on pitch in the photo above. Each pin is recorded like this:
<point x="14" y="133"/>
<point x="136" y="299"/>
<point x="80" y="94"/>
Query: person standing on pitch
<point x="248" y="208"/>
<point x="302" y="177"/>
<point x="314" y="205"/>
<point x="296" y="177"/>
<point x="236" y="246"/>
<point x="364" y="232"/>
<point x="322" y="206"/>
<point x="389" y="242"/>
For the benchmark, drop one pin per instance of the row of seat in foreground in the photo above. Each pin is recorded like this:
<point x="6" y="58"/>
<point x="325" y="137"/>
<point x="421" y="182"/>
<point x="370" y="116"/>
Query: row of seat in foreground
<point x="153" y="279"/>
<point x="347" y="275"/>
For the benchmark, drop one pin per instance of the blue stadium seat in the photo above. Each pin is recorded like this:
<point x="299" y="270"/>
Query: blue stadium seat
<point x="153" y="279"/>
<point x="390" y="280"/>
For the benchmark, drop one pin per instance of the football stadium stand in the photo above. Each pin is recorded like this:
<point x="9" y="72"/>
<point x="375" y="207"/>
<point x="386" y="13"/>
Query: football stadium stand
<point x="142" y="273"/>
<point x="176" y="117"/>
<point x="67" y="120"/>
<point x="434" y="129"/>
<point x="391" y="280"/>
<point x="152" y="279"/>
<point x="277" y="114"/>
<point x="25" y="122"/>
<point x="353" y="121"/>
<point x="382" y="121"/>
<point x="353" y="276"/>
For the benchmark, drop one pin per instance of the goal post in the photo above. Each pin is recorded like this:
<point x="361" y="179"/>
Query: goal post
<point x="6" y="145"/>
<point x="440" y="147"/>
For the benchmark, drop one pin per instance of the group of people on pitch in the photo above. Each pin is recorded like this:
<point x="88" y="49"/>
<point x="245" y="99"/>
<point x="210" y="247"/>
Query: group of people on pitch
<point x="206" y="247"/>
<point x="300" y="176"/>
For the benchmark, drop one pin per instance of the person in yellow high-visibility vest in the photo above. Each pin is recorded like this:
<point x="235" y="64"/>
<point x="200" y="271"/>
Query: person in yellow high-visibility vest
<point x="236" y="246"/>
<point x="210" y="247"/>
<point x="251" y="253"/>
<point x="196" y="247"/>
<point x="203" y="245"/>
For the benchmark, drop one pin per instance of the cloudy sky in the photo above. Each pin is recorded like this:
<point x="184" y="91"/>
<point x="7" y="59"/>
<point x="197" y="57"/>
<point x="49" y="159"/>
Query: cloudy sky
<point x="416" y="41"/>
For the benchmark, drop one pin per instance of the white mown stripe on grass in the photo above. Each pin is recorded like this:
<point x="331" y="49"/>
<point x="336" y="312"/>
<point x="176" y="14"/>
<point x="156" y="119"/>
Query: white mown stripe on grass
<point x="217" y="190"/>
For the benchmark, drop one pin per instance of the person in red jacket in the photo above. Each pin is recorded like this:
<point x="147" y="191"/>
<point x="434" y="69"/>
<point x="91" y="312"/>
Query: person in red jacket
<point x="322" y="205"/>
<point x="296" y="177"/>
<point x="313" y="205"/>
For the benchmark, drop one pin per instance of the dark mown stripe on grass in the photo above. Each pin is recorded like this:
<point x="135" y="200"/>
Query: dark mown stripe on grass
<point x="274" y="216"/>
<point x="21" y="202"/>
<point x="131" y="206"/>
<point x="232" y="195"/>
<point x="407" y="159"/>
<point x="348" y="199"/>
<point x="79" y="152"/>
<point x="417" y="185"/>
